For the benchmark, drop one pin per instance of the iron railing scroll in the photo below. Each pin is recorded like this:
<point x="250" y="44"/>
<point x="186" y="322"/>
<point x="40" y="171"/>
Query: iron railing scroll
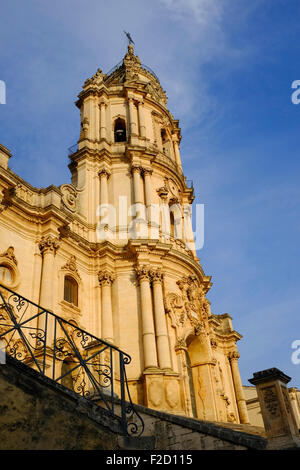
<point x="67" y="354"/>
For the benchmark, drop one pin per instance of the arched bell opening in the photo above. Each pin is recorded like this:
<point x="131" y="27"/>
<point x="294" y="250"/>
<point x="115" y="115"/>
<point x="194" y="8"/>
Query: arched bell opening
<point x="120" y="130"/>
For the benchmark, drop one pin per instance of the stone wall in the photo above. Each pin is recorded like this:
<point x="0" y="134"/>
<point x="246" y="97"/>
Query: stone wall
<point x="36" y="413"/>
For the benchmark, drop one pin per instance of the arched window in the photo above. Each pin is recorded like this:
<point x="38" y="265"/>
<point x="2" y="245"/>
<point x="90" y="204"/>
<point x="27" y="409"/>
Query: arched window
<point x="172" y="225"/>
<point x="120" y="130"/>
<point x="164" y="136"/>
<point x="71" y="290"/>
<point x="5" y="274"/>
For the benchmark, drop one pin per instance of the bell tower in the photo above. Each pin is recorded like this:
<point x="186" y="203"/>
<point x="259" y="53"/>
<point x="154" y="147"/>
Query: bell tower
<point x="132" y="222"/>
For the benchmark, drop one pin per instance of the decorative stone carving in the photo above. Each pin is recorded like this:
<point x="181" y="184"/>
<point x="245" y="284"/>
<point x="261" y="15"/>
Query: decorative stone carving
<point x="96" y="79"/>
<point x="143" y="273"/>
<point x="163" y="192"/>
<point x="233" y="355"/>
<point x="104" y="172"/>
<point x="136" y="168"/>
<point x="156" y="275"/>
<point x="71" y="265"/>
<point x="155" y="391"/>
<point x="105" y="277"/>
<point x="48" y="243"/>
<point x="180" y="344"/>
<point x="9" y="253"/>
<point x="172" y="397"/>
<point x="69" y="196"/>
<point x="271" y="401"/>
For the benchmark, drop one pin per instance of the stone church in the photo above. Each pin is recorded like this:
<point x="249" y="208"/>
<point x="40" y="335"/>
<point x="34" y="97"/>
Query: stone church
<point x="113" y="250"/>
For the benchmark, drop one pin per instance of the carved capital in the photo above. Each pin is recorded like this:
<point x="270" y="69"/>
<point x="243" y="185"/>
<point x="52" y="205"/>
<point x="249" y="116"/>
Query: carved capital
<point x="156" y="275"/>
<point x="48" y="244"/>
<point x="233" y="355"/>
<point x="105" y="278"/>
<point x="147" y="171"/>
<point x="180" y="344"/>
<point x="143" y="273"/>
<point x="136" y="169"/>
<point x="104" y="173"/>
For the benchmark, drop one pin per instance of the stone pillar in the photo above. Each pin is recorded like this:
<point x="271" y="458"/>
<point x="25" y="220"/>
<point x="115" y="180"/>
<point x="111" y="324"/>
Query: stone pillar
<point x="132" y="120"/>
<point x="106" y="279"/>
<point x="48" y="246"/>
<point x="176" y="150"/>
<point x="239" y="393"/>
<point x="276" y="409"/>
<point x="148" y="195"/>
<point x="137" y="187"/>
<point x="162" y="339"/>
<point x="104" y="175"/>
<point x="141" y="119"/>
<point x="149" y="343"/>
<point x="293" y="392"/>
<point x="102" y="120"/>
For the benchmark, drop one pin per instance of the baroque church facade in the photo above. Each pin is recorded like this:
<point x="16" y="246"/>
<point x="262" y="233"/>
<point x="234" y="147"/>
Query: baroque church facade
<point x="113" y="251"/>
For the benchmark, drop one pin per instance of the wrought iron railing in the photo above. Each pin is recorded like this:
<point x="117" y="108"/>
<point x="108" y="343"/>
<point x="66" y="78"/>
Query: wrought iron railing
<point x="67" y="354"/>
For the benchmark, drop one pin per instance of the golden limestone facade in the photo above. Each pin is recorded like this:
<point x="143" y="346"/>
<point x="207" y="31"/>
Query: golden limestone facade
<point x="114" y="251"/>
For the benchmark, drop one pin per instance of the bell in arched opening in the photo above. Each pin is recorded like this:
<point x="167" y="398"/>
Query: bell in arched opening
<point x="120" y="130"/>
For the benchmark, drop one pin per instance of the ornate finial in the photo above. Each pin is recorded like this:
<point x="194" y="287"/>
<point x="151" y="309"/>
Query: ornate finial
<point x="130" y="41"/>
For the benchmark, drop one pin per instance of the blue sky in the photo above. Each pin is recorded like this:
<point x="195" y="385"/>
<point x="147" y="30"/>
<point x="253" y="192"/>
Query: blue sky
<point x="227" y="67"/>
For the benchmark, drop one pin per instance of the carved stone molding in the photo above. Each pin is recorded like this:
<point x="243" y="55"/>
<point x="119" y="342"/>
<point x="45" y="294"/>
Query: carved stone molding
<point x="48" y="244"/>
<point x="163" y="192"/>
<point x="105" y="278"/>
<point x="271" y="401"/>
<point x="71" y="266"/>
<point x="9" y="253"/>
<point x="69" y="196"/>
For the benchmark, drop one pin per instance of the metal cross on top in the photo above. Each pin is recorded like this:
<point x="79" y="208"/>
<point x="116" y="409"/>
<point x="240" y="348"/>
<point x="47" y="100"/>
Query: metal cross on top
<point x="130" y="41"/>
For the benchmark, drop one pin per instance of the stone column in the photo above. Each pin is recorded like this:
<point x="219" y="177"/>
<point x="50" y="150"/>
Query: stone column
<point x="137" y="187"/>
<point x="102" y="120"/>
<point x="106" y="279"/>
<point x="48" y="246"/>
<point x="176" y="150"/>
<point x="165" y="212"/>
<point x="132" y="120"/>
<point x="149" y="343"/>
<point x="104" y="175"/>
<point x="141" y="119"/>
<point x="162" y="339"/>
<point x="148" y="195"/>
<point x="239" y="393"/>
<point x="276" y="409"/>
